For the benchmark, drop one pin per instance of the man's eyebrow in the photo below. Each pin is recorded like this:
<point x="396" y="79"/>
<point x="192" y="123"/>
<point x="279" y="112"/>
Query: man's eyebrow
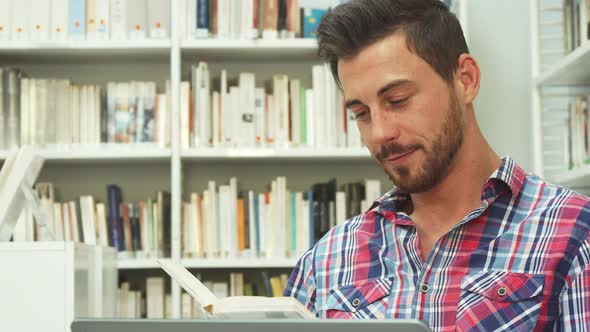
<point x="352" y="103"/>
<point x="384" y="89"/>
<point x="393" y="84"/>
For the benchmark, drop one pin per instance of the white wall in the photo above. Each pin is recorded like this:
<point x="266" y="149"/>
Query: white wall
<point x="500" y="40"/>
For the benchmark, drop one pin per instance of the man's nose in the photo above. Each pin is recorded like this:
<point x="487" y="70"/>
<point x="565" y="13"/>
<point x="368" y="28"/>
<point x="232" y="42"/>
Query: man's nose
<point x="383" y="128"/>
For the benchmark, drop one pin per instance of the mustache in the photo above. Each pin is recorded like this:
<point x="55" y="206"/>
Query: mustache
<point x="394" y="148"/>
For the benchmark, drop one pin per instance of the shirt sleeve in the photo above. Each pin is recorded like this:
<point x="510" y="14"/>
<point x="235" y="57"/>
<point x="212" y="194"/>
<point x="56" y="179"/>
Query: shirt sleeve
<point x="575" y="301"/>
<point x="302" y="284"/>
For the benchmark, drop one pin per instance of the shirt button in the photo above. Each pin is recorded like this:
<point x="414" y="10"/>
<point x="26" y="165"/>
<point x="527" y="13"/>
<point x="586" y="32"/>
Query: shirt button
<point x="356" y="302"/>
<point x="424" y="288"/>
<point x="502" y="291"/>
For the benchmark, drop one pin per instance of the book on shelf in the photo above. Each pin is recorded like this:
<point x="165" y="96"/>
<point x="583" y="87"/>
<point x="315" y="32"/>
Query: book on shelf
<point x="226" y="112"/>
<point x="234" y="307"/>
<point x="137" y="19"/>
<point x="155" y="296"/>
<point x="60" y="20"/>
<point x="136" y="230"/>
<point x="56" y="112"/>
<point x="576" y="23"/>
<point x="139" y="230"/>
<point x="158" y="13"/>
<point x="5" y="19"/>
<point x="576" y="133"/>
<point x="252" y="19"/>
<point x="129" y="302"/>
<point x="152" y="302"/>
<point x="274" y="223"/>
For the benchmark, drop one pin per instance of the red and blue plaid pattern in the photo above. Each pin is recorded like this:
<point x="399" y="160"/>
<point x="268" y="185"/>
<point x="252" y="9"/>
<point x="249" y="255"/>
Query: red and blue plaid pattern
<point x="520" y="262"/>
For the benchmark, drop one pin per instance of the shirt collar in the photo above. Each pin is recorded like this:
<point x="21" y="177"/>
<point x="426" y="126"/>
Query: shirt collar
<point x="509" y="176"/>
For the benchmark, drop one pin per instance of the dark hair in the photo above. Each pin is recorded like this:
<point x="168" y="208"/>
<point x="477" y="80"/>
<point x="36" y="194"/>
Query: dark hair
<point x="432" y="31"/>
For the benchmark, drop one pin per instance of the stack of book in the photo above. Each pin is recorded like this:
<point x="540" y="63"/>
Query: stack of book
<point x="285" y="114"/>
<point x="60" y="20"/>
<point x="576" y="23"/>
<point x="276" y="223"/>
<point x="137" y="230"/>
<point x="152" y="302"/>
<point x="576" y="133"/>
<point x="56" y="112"/>
<point x="250" y="19"/>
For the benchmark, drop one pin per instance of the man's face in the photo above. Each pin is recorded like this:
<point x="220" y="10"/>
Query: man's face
<point x="408" y="116"/>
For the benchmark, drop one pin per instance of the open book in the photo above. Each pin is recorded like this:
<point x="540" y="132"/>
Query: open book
<point x="235" y="307"/>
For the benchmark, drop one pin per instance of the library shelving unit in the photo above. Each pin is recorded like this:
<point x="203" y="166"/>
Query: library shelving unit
<point x="278" y="155"/>
<point x="217" y="263"/>
<point x="557" y="78"/>
<point x="142" y="169"/>
<point x="103" y="152"/>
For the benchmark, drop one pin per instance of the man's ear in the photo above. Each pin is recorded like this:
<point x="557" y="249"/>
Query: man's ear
<point x="467" y="78"/>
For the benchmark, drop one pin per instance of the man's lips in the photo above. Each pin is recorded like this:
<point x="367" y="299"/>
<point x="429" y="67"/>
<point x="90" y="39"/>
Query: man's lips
<point x="396" y="157"/>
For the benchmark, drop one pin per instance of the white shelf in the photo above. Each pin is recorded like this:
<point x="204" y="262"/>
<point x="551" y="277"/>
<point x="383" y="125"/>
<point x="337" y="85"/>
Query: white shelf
<point x="106" y="153"/>
<point x="137" y="264"/>
<point x="226" y="49"/>
<point x="571" y="70"/>
<point x="202" y="263"/>
<point x="7" y="46"/>
<point x="579" y="177"/>
<point x="24" y="51"/>
<point x="239" y="263"/>
<point x="270" y="154"/>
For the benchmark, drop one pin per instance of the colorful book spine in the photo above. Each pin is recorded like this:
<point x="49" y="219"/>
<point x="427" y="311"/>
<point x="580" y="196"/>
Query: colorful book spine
<point x="312" y="19"/>
<point x="114" y="199"/>
<point x="257" y="222"/>
<point x="77" y="26"/>
<point x="309" y="196"/>
<point x="202" y="21"/>
<point x="135" y="227"/>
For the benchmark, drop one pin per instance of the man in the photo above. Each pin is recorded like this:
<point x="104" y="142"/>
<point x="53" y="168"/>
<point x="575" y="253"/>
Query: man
<point x="467" y="241"/>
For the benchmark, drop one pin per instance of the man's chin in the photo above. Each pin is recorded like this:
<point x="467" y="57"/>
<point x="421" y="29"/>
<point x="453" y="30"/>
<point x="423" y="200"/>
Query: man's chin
<point x="406" y="182"/>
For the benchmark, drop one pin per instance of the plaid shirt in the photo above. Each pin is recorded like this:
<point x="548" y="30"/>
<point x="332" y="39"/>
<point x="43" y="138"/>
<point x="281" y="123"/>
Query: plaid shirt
<point x="518" y="262"/>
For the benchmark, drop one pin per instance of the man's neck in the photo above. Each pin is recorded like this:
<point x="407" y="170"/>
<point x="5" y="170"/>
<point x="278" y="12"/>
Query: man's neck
<point x="436" y="211"/>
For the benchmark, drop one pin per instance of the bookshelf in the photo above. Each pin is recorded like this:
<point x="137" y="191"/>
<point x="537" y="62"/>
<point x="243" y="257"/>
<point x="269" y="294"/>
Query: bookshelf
<point x="558" y="78"/>
<point x="574" y="178"/>
<point x="208" y="264"/>
<point x="567" y="71"/>
<point x="298" y="49"/>
<point x="93" y="47"/>
<point x="86" y="51"/>
<point x="103" y="153"/>
<point x="88" y="168"/>
<point x="278" y="155"/>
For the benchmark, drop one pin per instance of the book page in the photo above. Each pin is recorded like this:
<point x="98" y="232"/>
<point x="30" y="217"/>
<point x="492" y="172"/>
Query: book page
<point x="259" y="307"/>
<point x="189" y="282"/>
<point x="235" y="307"/>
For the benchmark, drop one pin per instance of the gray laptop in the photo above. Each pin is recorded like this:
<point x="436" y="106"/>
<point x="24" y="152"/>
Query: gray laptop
<point x="150" y="325"/>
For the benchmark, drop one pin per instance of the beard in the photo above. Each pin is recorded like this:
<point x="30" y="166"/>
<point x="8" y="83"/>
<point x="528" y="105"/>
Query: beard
<point x="439" y="155"/>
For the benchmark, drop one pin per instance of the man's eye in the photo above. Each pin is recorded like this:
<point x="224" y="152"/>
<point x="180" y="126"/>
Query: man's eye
<point x="396" y="102"/>
<point x="360" y="115"/>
